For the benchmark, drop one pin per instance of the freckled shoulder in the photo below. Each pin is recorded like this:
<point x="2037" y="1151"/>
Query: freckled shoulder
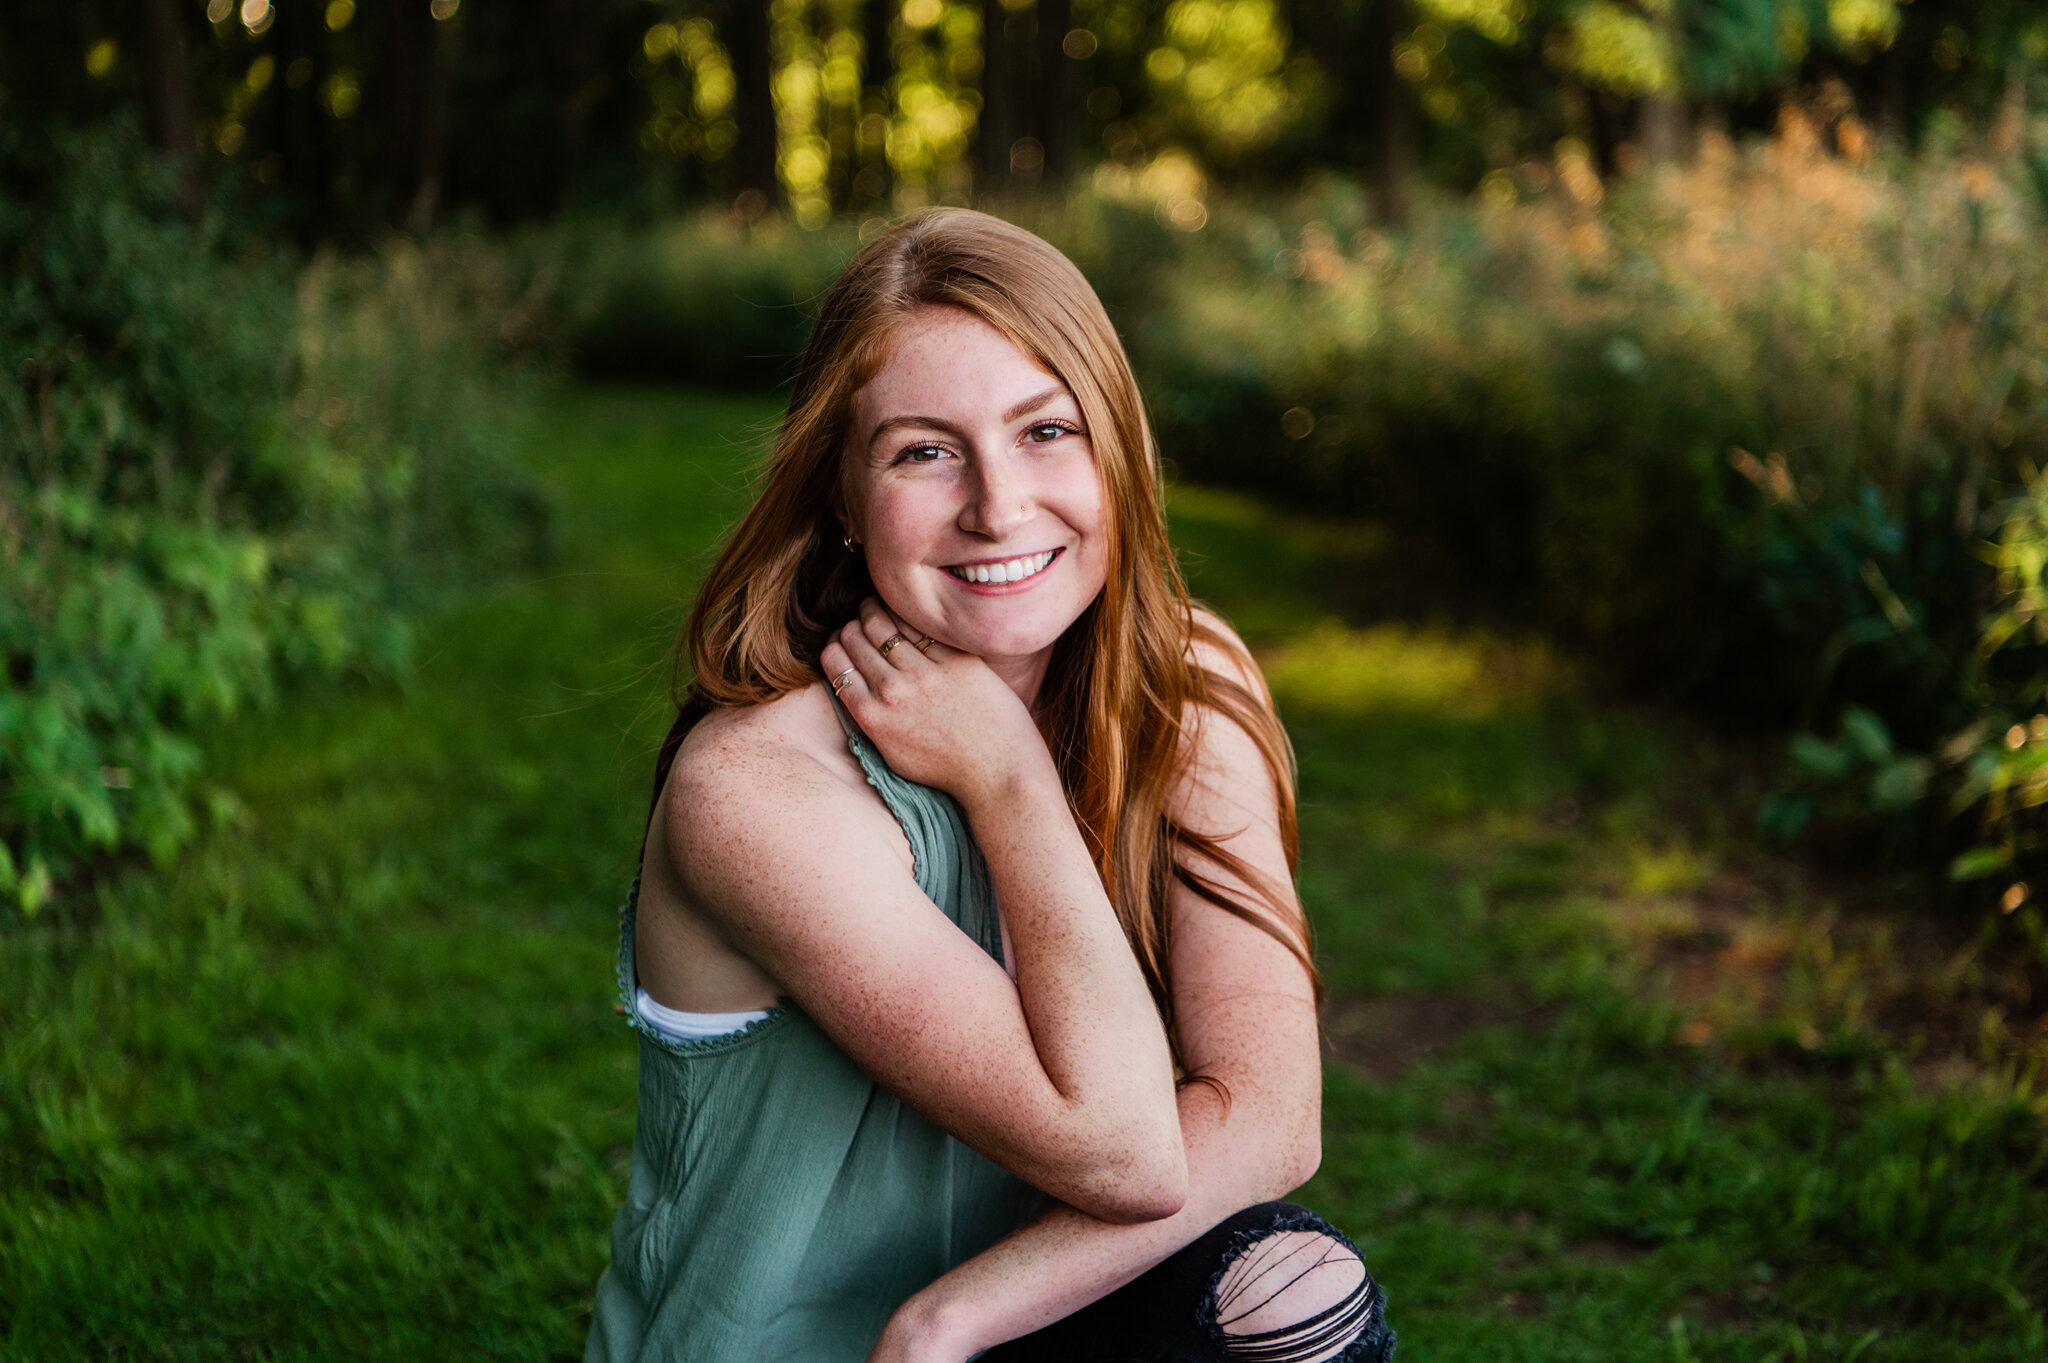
<point x="1223" y="778"/>
<point x="1217" y="648"/>
<point x="764" y="780"/>
<point x="1231" y="785"/>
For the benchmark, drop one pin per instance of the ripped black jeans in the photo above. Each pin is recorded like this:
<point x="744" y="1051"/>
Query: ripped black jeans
<point x="1193" y="1309"/>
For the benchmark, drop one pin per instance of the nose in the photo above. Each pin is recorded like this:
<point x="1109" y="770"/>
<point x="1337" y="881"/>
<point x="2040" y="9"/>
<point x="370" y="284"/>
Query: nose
<point x="999" y="500"/>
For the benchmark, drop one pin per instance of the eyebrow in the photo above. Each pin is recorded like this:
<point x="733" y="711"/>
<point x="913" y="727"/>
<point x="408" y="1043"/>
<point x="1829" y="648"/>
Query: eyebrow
<point x="1032" y="404"/>
<point x="1022" y="409"/>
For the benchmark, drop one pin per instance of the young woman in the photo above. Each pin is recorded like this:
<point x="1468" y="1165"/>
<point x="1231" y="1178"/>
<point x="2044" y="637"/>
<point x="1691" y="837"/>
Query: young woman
<point x="976" y="1006"/>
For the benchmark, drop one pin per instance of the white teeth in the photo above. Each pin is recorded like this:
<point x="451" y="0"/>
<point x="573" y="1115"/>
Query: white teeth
<point x="1010" y="570"/>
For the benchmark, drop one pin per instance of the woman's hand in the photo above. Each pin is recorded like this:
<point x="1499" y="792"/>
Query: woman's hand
<point x="940" y="717"/>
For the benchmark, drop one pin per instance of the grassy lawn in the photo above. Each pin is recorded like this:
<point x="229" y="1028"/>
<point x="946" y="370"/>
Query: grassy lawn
<point x="347" y="1081"/>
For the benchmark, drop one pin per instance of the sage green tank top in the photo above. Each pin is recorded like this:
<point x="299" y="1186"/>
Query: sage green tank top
<point x="782" y="1204"/>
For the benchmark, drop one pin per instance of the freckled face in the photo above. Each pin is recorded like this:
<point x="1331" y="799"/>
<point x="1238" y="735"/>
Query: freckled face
<point x="972" y="488"/>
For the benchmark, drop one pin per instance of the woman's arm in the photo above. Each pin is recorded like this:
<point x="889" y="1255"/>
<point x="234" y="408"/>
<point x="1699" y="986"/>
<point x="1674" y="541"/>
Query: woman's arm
<point x="1064" y="1078"/>
<point x="1246" y="1014"/>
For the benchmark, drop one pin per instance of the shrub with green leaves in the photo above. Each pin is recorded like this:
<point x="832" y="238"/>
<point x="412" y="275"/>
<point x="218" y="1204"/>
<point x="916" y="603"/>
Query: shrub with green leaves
<point x="1996" y="768"/>
<point x="1747" y="427"/>
<point x="708" y="301"/>
<point x="214" y="477"/>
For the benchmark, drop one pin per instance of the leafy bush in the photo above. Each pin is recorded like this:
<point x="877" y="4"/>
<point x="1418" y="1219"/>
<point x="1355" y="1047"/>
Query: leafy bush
<point x="1998" y="764"/>
<point x="708" y="301"/>
<point x="1748" y="427"/>
<point x="1720" y="428"/>
<point x="212" y="479"/>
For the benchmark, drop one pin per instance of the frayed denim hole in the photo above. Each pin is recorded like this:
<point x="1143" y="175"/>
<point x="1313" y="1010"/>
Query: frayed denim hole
<point x="1359" y="1317"/>
<point x="1242" y="1240"/>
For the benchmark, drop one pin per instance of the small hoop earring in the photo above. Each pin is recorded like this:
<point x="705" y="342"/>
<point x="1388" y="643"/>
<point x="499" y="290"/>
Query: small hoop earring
<point x="847" y="540"/>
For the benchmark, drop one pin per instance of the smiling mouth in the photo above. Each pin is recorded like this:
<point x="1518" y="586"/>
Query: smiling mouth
<point x="1006" y="570"/>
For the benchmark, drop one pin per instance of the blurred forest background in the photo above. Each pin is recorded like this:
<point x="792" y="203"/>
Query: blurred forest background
<point x="1703" y="343"/>
<point x="1710" y="336"/>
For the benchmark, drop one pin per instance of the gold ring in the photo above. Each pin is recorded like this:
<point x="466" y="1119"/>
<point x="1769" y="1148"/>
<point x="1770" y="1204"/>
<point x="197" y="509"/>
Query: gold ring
<point x="891" y="642"/>
<point x="924" y="645"/>
<point x="840" y="680"/>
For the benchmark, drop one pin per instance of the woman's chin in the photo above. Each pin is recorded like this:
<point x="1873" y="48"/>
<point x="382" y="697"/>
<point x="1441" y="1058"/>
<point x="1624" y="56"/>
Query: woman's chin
<point x="1003" y="644"/>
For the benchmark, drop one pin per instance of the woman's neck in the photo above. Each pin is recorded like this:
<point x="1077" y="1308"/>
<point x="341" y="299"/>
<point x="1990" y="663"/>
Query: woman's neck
<point x="1024" y="675"/>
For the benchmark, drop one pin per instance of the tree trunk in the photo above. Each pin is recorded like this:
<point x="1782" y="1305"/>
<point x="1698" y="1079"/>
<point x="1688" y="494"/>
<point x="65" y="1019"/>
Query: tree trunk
<point x="415" y="111"/>
<point x="579" y="37"/>
<point x="301" y="131"/>
<point x="1319" y="24"/>
<point x="426" y="204"/>
<point x="1332" y="33"/>
<point x="1660" y="115"/>
<point x="841" y="120"/>
<point x="1393" y="166"/>
<point x="1660" y="128"/>
<point x="170" y="80"/>
<point x="169" y="77"/>
<point x="754" y="71"/>
<point x="1055" y="96"/>
<point x="997" y="127"/>
<point x="1605" y="120"/>
<point x="1891" y="93"/>
<point x="2008" y="130"/>
<point x="878" y="54"/>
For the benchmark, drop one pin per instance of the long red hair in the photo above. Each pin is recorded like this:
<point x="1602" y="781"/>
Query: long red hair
<point x="1126" y="687"/>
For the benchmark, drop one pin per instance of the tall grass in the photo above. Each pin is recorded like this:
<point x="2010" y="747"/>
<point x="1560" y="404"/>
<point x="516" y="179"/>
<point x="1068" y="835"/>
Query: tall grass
<point x="1758" y="428"/>
<point x="1723" y="420"/>
<point x="1762" y="429"/>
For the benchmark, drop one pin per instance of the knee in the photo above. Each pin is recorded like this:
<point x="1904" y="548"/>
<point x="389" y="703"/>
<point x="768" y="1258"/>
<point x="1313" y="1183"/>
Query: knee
<point x="1300" y="1296"/>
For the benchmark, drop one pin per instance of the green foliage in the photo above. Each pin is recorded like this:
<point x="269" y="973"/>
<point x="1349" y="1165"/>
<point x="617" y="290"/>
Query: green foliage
<point x="351" y="1070"/>
<point x="1551" y="401"/>
<point x="2000" y="763"/>
<point x="363" y="1040"/>
<point x="208" y="484"/>
<point x="1861" y="772"/>
<point x="1221" y="79"/>
<point x="704" y="301"/>
<point x="331" y="119"/>
<point x="1740" y="428"/>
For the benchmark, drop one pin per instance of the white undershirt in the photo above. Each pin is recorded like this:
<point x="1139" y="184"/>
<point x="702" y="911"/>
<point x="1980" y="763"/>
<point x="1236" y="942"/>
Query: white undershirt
<point x="677" y="1025"/>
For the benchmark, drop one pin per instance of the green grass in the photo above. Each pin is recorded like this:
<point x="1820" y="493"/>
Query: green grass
<point x="1566" y="1179"/>
<point x="347" y="1081"/>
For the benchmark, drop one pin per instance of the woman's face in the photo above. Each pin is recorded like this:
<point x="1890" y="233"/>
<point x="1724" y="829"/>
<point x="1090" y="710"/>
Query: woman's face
<point x="972" y="488"/>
